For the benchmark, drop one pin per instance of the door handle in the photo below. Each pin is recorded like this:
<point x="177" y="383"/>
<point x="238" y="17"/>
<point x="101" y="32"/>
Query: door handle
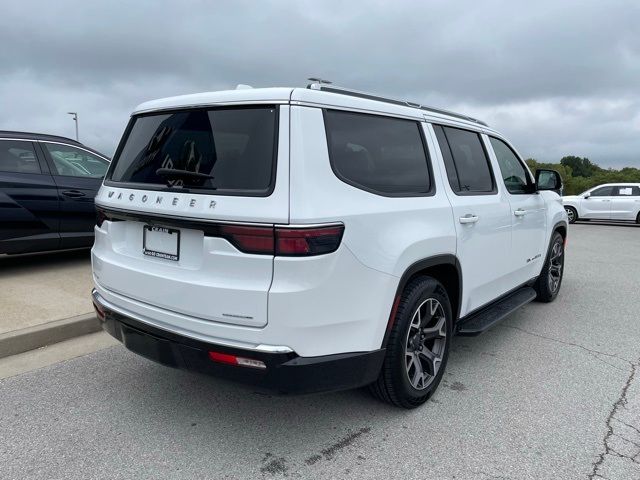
<point x="605" y="200"/>
<point x="73" y="193"/>
<point x="520" y="212"/>
<point x="469" y="218"/>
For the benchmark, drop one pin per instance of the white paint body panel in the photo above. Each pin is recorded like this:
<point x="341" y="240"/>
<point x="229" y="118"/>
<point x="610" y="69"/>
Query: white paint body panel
<point x="528" y="214"/>
<point x="625" y="208"/>
<point x="328" y="304"/>
<point x="485" y="276"/>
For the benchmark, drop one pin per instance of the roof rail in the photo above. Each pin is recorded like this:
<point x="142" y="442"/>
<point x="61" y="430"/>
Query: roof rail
<point x="323" y="86"/>
<point x="34" y="135"/>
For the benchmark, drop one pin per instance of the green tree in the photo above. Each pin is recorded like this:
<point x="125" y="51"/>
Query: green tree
<point x="581" y="167"/>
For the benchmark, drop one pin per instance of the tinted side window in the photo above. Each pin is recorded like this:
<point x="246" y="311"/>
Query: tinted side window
<point x="627" y="191"/>
<point x="471" y="162"/>
<point x="378" y="154"/>
<point x="18" y="157"/>
<point x="75" y="162"/>
<point x="602" y="192"/>
<point x="513" y="172"/>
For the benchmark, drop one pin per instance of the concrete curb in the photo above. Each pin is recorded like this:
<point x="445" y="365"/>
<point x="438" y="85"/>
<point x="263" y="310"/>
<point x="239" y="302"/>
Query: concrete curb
<point x="18" y="341"/>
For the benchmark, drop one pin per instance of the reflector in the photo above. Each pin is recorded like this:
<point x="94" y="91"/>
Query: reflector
<point x="238" y="361"/>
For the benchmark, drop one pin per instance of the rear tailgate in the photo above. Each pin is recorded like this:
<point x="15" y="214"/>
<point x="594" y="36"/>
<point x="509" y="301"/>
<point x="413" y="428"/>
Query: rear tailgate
<point x="160" y="244"/>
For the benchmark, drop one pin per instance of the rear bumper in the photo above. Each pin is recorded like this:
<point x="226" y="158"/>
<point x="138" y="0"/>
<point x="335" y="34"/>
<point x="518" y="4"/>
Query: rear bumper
<point x="284" y="372"/>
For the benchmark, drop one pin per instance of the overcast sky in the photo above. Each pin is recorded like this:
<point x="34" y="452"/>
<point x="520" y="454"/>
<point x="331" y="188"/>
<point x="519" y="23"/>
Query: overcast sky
<point x="557" y="77"/>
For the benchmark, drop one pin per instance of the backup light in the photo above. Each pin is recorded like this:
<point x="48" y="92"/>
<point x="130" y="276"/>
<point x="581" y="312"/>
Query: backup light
<point x="238" y="361"/>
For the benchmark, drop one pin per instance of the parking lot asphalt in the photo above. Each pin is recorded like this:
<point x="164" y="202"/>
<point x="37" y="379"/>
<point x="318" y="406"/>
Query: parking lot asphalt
<point x="36" y="289"/>
<point x="553" y="392"/>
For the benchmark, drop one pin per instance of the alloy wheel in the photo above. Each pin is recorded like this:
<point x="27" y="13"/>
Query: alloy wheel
<point x="555" y="266"/>
<point x="425" y="343"/>
<point x="570" y="214"/>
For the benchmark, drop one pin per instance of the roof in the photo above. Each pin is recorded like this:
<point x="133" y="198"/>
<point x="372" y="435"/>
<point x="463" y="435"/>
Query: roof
<point x="326" y="97"/>
<point x="45" y="137"/>
<point x="617" y="184"/>
<point x="37" y="136"/>
<point x="225" y="97"/>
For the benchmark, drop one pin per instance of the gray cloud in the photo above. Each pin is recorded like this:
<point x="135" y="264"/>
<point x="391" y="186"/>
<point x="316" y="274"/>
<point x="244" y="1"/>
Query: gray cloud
<point x="557" y="78"/>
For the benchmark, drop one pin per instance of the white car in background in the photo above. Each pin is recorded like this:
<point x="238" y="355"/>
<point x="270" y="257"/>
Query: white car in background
<point x="612" y="201"/>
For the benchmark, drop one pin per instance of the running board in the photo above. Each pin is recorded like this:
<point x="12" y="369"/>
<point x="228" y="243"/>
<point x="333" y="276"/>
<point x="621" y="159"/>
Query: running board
<point x="487" y="317"/>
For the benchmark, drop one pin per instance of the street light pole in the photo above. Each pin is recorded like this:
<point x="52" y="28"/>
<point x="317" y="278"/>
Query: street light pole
<point x="75" y="119"/>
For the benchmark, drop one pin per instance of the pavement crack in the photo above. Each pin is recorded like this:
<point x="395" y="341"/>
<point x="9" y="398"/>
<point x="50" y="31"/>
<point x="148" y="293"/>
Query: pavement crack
<point x="590" y="351"/>
<point x="627" y="425"/>
<point x="632" y="442"/>
<point x="608" y="450"/>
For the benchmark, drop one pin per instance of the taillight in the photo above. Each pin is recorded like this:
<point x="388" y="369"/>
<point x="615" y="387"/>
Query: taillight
<point x="235" y="360"/>
<point x="308" y="241"/>
<point x="284" y="241"/>
<point x="100" y="217"/>
<point x="287" y="241"/>
<point x="249" y="239"/>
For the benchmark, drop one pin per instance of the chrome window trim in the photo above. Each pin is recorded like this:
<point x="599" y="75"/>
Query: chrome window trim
<point x="73" y="146"/>
<point x="58" y="143"/>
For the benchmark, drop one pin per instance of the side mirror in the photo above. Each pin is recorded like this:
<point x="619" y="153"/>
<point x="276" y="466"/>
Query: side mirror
<point x="587" y="195"/>
<point x="548" y="180"/>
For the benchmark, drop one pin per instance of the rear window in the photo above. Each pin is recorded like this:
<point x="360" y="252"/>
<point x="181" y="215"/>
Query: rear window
<point x="234" y="146"/>
<point x="378" y="154"/>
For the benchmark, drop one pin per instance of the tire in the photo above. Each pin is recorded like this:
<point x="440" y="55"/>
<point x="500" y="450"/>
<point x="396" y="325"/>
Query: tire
<point x="548" y="283"/>
<point x="638" y="219"/>
<point x="424" y="304"/>
<point x="572" y="213"/>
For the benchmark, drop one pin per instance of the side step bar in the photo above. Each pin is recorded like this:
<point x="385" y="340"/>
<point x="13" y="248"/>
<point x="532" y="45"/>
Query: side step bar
<point x="487" y="317"/>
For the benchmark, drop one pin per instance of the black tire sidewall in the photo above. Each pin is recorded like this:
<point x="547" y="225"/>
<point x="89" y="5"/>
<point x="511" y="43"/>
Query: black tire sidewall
<point x="416" y="294"/>
<point x="575" y="214"/>
<point x="544" y="293"/>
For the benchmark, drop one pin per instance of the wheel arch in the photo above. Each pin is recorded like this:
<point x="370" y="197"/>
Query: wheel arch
<point x="561" y="228"/>
<point x="444" y="268"/>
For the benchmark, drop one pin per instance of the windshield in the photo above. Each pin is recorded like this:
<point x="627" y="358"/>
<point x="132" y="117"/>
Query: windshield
<point x="236" y="146"/>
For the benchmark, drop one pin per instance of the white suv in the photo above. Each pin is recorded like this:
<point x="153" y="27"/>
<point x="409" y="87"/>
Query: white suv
<point x="318" y="239"/>
<point x="611" y="201"/>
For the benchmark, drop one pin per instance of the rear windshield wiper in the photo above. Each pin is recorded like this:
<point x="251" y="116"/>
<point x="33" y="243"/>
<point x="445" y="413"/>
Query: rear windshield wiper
<point x="171" y="173"/>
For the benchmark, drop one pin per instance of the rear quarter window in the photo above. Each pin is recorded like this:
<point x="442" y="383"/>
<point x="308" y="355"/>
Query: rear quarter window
<point x="382" y="155"/>
<point x="235" y="146"/>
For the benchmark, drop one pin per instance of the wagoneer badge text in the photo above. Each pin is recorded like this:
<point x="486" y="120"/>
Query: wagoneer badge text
<point x="159" y="199"/>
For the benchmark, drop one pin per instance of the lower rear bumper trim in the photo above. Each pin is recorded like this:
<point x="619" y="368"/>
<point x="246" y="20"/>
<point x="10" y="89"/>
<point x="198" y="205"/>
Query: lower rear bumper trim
<point x="285" y="373"/>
